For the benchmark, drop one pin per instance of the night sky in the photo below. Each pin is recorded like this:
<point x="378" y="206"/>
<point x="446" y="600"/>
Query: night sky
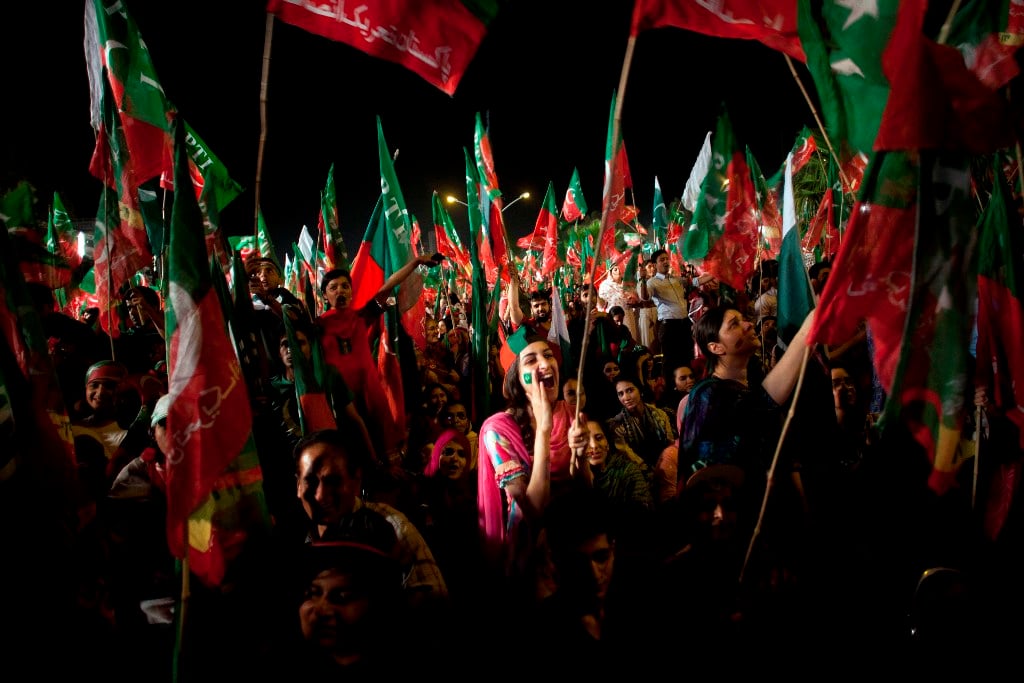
<point x="543" y="78"/>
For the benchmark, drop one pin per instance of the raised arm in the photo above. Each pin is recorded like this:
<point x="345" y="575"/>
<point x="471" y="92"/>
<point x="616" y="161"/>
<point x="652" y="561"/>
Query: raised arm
<point x="782" y="379"/>
<point x="400" y="275"/>
<point x="515" y="312"/>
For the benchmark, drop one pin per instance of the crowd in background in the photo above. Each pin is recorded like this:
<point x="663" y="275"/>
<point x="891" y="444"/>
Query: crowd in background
<point x="614" y="519"/>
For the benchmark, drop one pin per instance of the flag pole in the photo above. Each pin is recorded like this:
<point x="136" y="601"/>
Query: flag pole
<point x="263" y="121"/>
<point x="977" y="455"/>
<point x="817" y="119"/>
<point x="605" y="213"/>
<point x="775" y="460"/>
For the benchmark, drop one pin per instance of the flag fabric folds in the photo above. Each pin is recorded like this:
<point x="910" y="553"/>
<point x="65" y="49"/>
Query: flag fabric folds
<point x="724" y="233"/>
<point x="772" y="22"/>
<point x="1000" y="367"/>
<point x="209" y="420"/>
<point x="795" y="297"/>
<point x="435" y="40"/>
<point x="574" y="207"/>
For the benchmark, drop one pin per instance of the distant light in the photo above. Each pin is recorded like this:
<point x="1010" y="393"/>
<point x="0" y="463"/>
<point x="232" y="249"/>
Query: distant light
<point x="81" y="244"/>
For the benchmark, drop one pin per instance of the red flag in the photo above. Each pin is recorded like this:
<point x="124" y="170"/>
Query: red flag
<point x="962" y="113"/>
<point x="616" y="182"/>
<point x="870" y="279"/>
<point x="772" y="22"/>
<point x="137" y="146"/>
<point x="547" y="229"/>
<point x="209" y="420"/>
<point x="817" y="225"/>
<point x="436" y="40"/>
<point x="1000" y="367"/>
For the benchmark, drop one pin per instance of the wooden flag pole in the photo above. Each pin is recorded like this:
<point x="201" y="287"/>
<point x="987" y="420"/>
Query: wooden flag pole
<point x="817" y="119"/>
<point x="605" y="214"/>
<point x="775" y="460"/>
<point x="263" y="122"/>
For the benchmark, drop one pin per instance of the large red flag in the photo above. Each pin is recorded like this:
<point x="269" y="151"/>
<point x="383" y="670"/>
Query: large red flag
<point x="436" y="39"/>
<point x="772" y="22"/>
<point x="209" y="420"/>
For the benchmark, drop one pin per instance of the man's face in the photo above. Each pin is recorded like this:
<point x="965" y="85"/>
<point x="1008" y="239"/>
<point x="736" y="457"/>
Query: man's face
<point x="615" y="273"/>
<point x="663" y="263"/>
<point x="327" y="491"/>
<point x="587" y="299"/>
<point x="618" y="318"/>
<point x="650" y="269"/>
<point x="101" y="395"/>
<point x="338" y="292"/>
<point x="540" y="309"/>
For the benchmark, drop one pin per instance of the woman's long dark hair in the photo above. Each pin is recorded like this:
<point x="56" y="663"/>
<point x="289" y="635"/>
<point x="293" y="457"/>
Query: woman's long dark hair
<point x="518" y="403"/>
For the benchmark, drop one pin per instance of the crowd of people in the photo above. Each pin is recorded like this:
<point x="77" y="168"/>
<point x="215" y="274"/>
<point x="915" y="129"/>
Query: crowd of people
<point x="640" y="515"/>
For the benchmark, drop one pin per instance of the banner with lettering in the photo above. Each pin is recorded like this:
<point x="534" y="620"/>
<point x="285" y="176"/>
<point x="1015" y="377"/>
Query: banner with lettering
<point x="436" y="39"/>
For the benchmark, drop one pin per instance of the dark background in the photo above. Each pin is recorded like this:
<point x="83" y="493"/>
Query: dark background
<point x="543" y="78"/>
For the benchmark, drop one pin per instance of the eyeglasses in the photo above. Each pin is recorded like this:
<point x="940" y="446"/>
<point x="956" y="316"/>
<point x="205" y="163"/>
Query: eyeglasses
<point x="840" y="382"/>
<point x="452" y="416"/>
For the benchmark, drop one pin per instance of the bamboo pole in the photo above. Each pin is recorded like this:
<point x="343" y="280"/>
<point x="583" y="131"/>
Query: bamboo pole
<point x="977" y="455"/>
<point x="775" y="460"/>
<point x="605" y="214"/>
<point x="817" y="119"/>
<point x="263" y="122"/>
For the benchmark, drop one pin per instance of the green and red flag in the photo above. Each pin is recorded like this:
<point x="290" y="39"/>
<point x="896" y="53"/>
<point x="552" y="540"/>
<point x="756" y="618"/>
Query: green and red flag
<point x="989" y="33"/>
<point x="574" y="207"/>
<point x="386" y="248"/>
<point x="33" y="416"/>
<point x="122" y="79"/>
<point x="447" y="238"/>
<point x="1000" y="367"/>
<point x="61" y="236"/>
<point x="771" y="22"/>
<point x="335" y="254"/>
<point x="387" y="244"/>
<point x="659" y="216"/>
<point x="264" y="245"/>
<point x="121" y="249"/>
<point x="724" y="233"/>
<point x="491" y="202"/>
<point x="769" y="216"/>
<point x="310" y="392"/>
<point x="796" y="299"/>
<point x="212" y="468"/>
<point x="435" y="40"/>
<point x="546" y="228"/>
<point x="844" y="42"/>
<point x="17" y="206"/>
<point x="478" y="303"/>
<point x="616" y="181"/>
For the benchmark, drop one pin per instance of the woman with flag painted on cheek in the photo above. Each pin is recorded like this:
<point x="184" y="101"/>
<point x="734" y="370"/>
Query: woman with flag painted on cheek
<point x="514" y="468"/>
